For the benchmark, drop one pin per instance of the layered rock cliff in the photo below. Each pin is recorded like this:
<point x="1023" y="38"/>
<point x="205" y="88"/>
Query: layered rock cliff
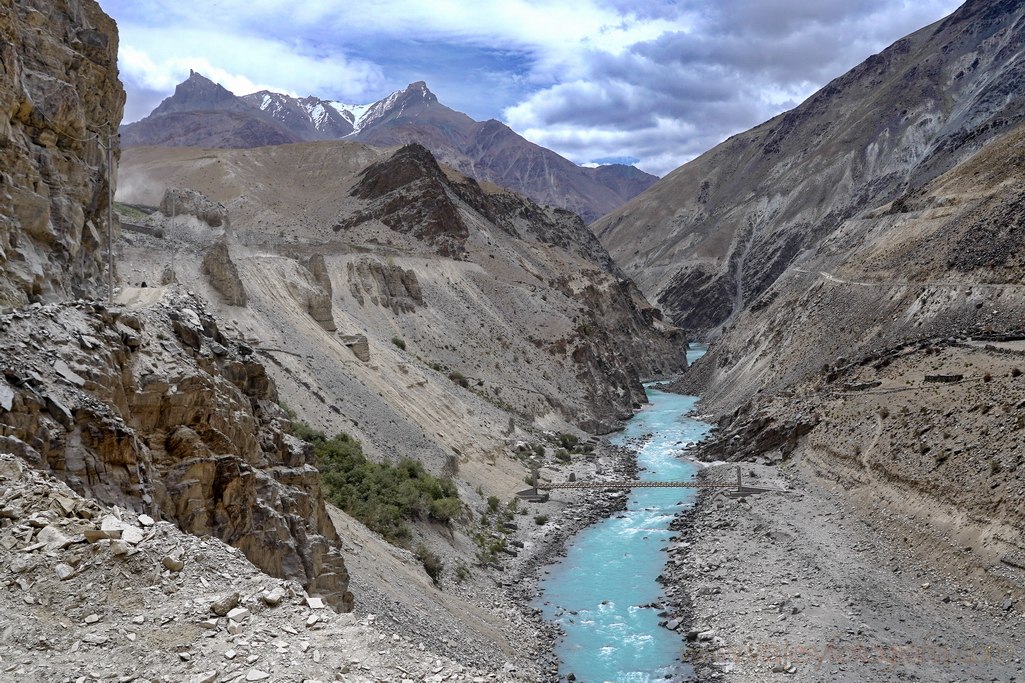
<point x="157" y="412"/>
<point x="60" y="100"/>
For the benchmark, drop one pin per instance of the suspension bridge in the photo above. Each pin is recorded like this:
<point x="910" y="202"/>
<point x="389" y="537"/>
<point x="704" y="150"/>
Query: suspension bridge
<point x="735" y="490"/>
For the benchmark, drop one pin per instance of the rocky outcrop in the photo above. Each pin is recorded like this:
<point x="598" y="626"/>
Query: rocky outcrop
<point x="223" y="274"/>
<point x="319" y="305"/>
<point x="60" y="101"/>
<point x="178" y="201"/>
<point x="384" y="285"/>
<point x="358" y="344"/>
<point x="409" y="193"/>
<point x="159" y="413"/>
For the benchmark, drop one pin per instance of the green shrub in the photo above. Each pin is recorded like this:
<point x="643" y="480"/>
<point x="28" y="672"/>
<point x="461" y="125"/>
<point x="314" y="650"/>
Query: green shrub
<point x="562" y="455"/>
<point x="493" y="502"/>
<point x="568" y="441"/>
<point x="399" y="342"/>
<point x="541" y="520"/>
<point x="381" y="495"/>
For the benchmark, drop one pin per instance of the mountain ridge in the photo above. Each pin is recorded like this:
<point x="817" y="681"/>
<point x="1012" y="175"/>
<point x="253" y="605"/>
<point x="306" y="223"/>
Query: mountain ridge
<point x="730" y="222"/>
<point x="202" y="113"/>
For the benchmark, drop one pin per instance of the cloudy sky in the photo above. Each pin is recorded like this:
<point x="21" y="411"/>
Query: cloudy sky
<point x="652" y="81"/>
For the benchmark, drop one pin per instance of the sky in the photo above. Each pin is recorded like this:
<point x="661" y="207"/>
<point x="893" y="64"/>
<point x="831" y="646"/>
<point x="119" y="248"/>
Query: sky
<point x="650" y="82"/>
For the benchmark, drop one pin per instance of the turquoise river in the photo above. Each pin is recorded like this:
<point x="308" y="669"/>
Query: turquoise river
<point x="596" y="592"/>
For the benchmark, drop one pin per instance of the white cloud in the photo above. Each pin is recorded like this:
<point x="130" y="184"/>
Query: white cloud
<point x="660" y="80"/>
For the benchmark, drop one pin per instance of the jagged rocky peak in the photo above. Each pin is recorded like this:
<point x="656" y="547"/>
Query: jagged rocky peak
<point x="198" y="93"/>
<point x="410" y="193"/>
<point x="411" y="163"/>
<point x="60" y="101"/>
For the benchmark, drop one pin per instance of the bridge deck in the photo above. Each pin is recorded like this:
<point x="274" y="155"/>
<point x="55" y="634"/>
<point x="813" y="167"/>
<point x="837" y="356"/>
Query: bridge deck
<point x="633" y="485"/>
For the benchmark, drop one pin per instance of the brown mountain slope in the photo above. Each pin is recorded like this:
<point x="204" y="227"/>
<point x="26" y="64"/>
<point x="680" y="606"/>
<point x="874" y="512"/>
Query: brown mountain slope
<point x="203" y="114"/>
<point x="713" y="235"/>
<point x="520" y="298"/>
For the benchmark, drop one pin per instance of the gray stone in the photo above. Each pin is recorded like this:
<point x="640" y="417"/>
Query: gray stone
<point x="64" y="571"/>
<point x="238" y="614"/>
<point x="273" y="597"/>
<point x="173" y="564"/>
<point x="6" y="396"/>
<point x="111" y="526"/>
<point x="132" y="535"/>
<point x="225" y="605"/>
<point x="65" y="371"/>
<point x="95" y="638"/>
<point x="53" y="538"/>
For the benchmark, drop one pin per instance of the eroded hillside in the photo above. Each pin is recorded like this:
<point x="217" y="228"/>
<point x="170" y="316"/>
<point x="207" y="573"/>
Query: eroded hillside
<point x="711" y="237"/>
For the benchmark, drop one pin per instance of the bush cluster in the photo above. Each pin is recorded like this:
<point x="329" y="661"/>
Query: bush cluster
<point x="381" y="495"/>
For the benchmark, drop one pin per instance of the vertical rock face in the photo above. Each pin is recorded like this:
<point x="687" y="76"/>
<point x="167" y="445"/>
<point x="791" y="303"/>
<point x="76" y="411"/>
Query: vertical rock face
<point x="319" y="305"/>
<point x="388" y="286"/>
<point x="223" y="274"/>
<point x="60" y="98"/>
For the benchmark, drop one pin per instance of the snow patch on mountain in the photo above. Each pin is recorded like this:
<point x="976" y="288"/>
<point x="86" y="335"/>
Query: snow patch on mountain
<point x="351" y="112"/>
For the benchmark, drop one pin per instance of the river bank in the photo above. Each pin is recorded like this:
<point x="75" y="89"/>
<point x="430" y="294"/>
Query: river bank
<point x="809" y="586"/>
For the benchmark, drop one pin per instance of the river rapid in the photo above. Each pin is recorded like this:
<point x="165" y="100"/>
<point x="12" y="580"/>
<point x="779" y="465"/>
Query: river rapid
<point x="601" y="592"/>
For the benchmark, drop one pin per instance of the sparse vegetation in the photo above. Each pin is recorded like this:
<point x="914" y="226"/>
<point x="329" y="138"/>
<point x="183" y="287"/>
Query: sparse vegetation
<point x="541" y="520"/>
<point x="431" y="562"/>
<point x="399" y="342"/>
<point x="381" y="495"/>
<point x="459" y="379"/>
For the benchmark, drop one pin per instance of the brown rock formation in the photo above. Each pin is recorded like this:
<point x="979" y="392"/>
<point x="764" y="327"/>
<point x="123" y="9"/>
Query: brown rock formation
<point x="223" y="274"/>
<point x="155" y="412"/>
<point x="319" y="305"/>
<point x="59" y="100"/>
<point x="179" y="201"/>
<point x="383" y="285"/>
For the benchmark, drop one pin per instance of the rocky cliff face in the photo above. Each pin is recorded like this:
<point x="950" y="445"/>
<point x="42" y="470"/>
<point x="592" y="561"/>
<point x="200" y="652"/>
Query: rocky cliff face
<point x="156" y="412"/>
<point x="60" y="98"/>
<point x="711" y="237"/>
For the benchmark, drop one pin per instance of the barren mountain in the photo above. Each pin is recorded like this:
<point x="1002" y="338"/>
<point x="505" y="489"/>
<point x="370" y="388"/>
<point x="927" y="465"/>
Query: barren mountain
<point x="715" y="234"/>
<point x="197" y="116"/>
<point x="202" y="113"/>
<point x="861" y="257"/>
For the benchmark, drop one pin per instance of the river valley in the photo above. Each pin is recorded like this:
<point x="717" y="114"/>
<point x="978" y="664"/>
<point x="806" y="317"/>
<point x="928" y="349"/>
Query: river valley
<point x="603" y="593"/>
